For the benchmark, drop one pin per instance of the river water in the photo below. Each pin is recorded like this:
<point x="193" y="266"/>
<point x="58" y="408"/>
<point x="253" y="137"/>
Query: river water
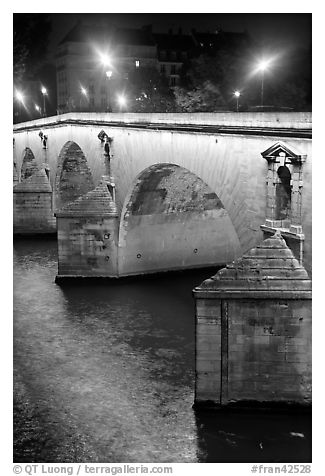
<point x="105" y="373"/>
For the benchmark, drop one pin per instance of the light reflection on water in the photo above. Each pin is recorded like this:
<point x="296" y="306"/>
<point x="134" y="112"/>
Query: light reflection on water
<point x="110" y="370"/>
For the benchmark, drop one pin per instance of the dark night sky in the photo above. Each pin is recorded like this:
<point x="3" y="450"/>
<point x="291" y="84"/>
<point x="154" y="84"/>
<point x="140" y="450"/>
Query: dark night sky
<point x="272" y="29"/>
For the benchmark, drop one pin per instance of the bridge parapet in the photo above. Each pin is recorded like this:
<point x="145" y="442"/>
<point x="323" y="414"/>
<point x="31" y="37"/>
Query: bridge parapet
<point x="226" y="122"/>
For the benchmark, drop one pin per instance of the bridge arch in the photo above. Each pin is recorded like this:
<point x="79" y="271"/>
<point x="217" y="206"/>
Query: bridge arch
<point x="73" y="175"/>
<point x="171" y="219"/>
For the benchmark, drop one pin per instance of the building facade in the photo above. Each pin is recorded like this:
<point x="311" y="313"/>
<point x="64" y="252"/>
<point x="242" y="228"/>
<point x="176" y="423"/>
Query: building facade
<point x="85" y="84"/>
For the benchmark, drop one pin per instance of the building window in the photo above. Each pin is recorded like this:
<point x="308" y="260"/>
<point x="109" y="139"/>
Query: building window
<point x="172" y="81"/>
<point x="163" y="69"/>
<point x="137" y="63"/>
<point x="173" y="69"/>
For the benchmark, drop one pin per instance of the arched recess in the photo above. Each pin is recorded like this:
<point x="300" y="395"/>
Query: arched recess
<point x="29" y="165"/>
<point x="73" y="176"/>
<point x="283" y="194"/>
<point x="171" y="219"/>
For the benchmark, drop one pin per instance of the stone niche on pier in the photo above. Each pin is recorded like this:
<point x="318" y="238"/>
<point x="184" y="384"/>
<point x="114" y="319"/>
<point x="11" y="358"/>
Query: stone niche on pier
<point x="32" y="207"/>
<point x="88" y="236"/>
<point x="253" y="331"/>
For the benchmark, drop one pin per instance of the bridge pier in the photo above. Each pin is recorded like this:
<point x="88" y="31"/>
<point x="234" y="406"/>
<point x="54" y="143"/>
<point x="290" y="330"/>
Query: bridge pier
<point x="33" y="211"/>
<point x="88" y="236"/>
<point x="253" y="331"/>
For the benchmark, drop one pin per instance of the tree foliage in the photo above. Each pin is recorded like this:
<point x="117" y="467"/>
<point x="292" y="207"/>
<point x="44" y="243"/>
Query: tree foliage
<point x="30" y="40"/>
<point x="206" y="97"/>
<point x="148" y="91"/>
<point x="209" y="80"/>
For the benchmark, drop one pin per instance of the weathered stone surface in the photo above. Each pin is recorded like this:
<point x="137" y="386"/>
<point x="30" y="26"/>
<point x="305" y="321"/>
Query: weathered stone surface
<point x="260" y="306"/>
<point x="32" y="208"/>
<point x="73" y="176"/>
<point x="270" y="266"/>
<point x="88" y="236"/>
<point x="94" y="203"/>
<point x="29" y="165"/>
<point x="38" y="182"/>
<point x="173" y="220"/>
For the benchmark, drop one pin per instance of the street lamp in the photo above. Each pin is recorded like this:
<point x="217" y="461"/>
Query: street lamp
<point x="109" y="73"/>
<point x="38" y="109"/>
<point x="107" y="63"/>
<point x="237" y="96"/>
<point x="121" y="100"/>
<point x="20" y="99"/>
<point x="44" y="92"/>
<point x="262" y="66"/>
<point x="84" y="94"/>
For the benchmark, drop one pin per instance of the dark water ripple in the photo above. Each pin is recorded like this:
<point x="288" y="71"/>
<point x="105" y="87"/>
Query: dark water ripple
<point x="105" y="373"/>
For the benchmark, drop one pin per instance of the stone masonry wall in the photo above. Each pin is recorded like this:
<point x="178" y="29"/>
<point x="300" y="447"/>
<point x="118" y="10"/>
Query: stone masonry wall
<point x="253" y="330"/>
<point x="87" y="246"/>
<point x="88" y="235"/>
<point x="32" y="205"/>
<point x="269" y="340"/>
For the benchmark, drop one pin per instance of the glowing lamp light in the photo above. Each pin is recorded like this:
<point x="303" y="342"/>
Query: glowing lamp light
<point x="38" y="109"/>
<point x="83" y="91"/>
<point x="106" y="60"/>
<point x="121" y="100"/>
<point x="109" y="74"/>
<point x="44" y="90"/>
<point x="237" y="95"/>
<point x="19" y="96"/>
<point x="263" y="65"/>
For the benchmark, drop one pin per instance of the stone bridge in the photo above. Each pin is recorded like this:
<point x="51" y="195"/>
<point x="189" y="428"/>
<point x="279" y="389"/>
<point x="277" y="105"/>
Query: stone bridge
<point x="189" y="190"/>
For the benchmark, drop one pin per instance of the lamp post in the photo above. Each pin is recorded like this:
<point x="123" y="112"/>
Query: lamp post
<point x="44" y="92"/>
<point x="107" y="63"/>
<point x="83" y="94"/>
<point x="262" y="66"/>
<point x="38" y="109"/>
<point x="237" y="96"/>
<point x="108" y="77"/>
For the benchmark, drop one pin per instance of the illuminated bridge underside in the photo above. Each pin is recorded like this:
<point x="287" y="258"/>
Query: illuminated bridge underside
<point x="173" y="220"/>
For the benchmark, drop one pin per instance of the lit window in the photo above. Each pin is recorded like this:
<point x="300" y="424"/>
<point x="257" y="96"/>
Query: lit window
<point x="137" y="63"/>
